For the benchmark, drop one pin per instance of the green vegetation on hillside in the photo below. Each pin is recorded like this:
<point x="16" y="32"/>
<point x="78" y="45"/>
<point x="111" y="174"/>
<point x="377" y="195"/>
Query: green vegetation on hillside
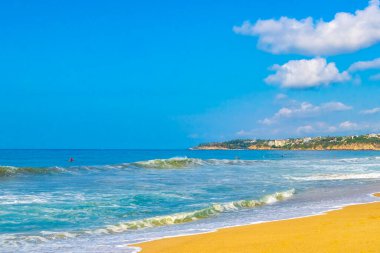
<point x="369" y="141"/>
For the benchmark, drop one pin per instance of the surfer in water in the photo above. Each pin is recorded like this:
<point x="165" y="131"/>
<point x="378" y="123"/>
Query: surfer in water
<point x="71" y="159"/>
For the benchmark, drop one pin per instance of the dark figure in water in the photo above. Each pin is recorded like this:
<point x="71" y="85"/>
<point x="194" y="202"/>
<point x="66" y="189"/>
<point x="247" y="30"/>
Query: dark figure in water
<point x="71" y="159"/>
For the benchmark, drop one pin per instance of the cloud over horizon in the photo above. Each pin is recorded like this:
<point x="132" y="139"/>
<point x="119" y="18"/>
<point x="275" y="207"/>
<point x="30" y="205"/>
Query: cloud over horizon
<point x="317" y="128"/>
<point x="323" y="127"/>
<point x="305" y="110"/>
<point x="371" y="111"/>
<point x="306" y="74"/>
<point x="345" y="33"/>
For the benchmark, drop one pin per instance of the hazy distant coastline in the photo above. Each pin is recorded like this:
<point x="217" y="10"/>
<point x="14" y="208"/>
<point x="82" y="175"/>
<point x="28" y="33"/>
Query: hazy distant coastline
<point x="355" y="142"/>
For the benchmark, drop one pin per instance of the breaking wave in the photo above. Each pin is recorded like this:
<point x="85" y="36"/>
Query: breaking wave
<point x="185" y="162"/>
<point x="10" y="170"/>
<point x="159" y="221"/>
<point x="175" y="163"/>
<point x="171" y="163"/>
<point x="204" y="213"/>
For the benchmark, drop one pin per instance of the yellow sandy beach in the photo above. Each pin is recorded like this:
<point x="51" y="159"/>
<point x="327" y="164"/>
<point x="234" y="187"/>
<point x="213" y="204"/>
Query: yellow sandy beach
<point x="352" y="229"/>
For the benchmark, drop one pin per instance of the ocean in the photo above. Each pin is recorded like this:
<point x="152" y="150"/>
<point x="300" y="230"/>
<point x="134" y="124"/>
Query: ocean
<point x="106" y="200"/>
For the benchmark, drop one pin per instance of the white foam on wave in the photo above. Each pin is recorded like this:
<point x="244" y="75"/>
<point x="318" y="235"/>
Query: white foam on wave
<point x="6" y="171"/>
<point x="58" y="235"/>
<point x="352" y="159"/>
<point x="171" y="163"/>
<point x="185" y="162"/>
<point x="23" y="199"/>
<point x="15" y="240"/>
<point x="323" y="177"/>
<point x="207" y="212"/>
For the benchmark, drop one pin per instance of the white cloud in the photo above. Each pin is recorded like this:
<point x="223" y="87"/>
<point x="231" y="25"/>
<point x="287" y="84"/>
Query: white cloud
<point x="268" y="121"/>
<point x="371" y="111"/>
<point x="375" y="77"/>
<point x="364" y="65"/>
<point x="304" y="110"/>
<point x="318" y="127"/>
<point x="334" y="106"/>
<point x="281" y="96"/>
<point x="306" y="74"/>
<point x="325" y="128"/>
<point x="348" y="125"/>
<point x="246" y="133"/>
<point x="311" y="128"/>
<point x="305" y="129"/>
<point x="345" y="33"/>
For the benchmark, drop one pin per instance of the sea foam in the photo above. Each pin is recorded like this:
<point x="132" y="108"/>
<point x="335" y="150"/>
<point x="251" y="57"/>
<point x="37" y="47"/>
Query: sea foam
<point x="323" y="177"/>
<point x="204" y="213"/>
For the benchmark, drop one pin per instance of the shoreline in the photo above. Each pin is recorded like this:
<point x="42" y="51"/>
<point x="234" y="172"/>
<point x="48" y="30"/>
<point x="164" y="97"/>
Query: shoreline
<point x="277" y="149"/>
<point x="252" y="239"/>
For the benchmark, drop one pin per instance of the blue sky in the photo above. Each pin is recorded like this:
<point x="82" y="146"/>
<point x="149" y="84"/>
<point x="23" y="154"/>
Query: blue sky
<point x="171" y="74"/>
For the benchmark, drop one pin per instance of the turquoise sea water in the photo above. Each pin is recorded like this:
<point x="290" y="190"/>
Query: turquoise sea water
<point x="107" y="199"/>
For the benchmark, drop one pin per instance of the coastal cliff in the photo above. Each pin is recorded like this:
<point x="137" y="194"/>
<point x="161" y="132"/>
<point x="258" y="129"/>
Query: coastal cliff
<point x="357" y="142"/>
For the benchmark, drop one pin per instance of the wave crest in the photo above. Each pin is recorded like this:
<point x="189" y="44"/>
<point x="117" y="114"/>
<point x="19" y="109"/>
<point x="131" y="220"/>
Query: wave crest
<point x="171" y="163"/>
<point x="207" y="212"/>
<point x="11" y="170"/>
<point x="158" y="221"/>
<point x="185" y="162"/>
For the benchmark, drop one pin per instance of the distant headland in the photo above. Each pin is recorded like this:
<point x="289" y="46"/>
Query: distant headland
<point x="354" y="142"/>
